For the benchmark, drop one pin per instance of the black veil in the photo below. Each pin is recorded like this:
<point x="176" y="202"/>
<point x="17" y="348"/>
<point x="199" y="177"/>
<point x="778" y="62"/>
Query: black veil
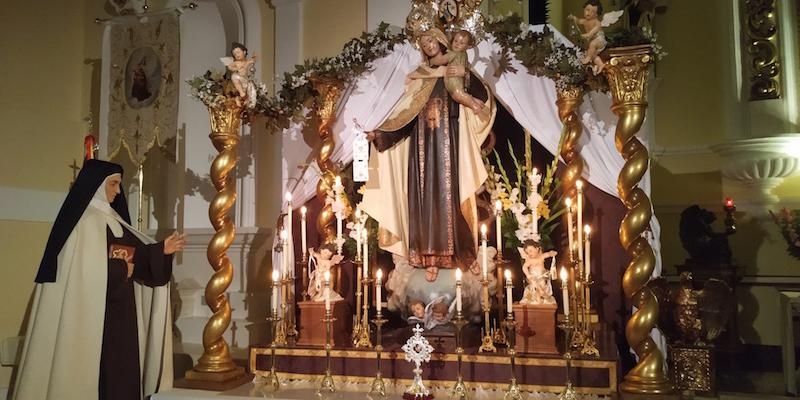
<point x="91" y="176"/>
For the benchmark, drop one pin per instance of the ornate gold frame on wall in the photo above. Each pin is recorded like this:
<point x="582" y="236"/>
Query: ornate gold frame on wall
<point x="760" y="50"/>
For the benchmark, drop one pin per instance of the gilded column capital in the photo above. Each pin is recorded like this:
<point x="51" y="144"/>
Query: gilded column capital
<point x="628" y="70"/>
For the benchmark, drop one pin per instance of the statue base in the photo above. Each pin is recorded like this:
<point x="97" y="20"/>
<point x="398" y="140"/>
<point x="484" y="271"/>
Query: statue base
<point x="312" y="329"/>
<point x="536" y="328"/>
<point x="694" y="368"/>
<point x="216" y="381"/>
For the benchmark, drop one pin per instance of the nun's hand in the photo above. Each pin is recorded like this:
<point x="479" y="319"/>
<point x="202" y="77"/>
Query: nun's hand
<point x="174" y="242"/>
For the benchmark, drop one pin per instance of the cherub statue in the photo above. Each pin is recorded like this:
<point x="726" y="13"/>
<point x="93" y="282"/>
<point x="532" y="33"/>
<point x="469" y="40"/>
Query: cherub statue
<point x="416" y="309"/>
<point x="243" y="72"/>
<point x="322" y="261"/>
<point x="593" y="31"/>
<point x="539" y="289"/>
<point x="435" y="313"/>
<point x="457" y="56"/>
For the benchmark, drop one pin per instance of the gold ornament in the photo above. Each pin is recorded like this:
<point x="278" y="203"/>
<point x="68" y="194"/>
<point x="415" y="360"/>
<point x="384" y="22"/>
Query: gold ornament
<point x="628" y="72"/>
<point x="216" y="364"/>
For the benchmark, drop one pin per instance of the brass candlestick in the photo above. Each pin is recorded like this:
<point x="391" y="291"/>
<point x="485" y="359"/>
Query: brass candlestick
<point x="364" y="330"/>
<point x="327" y="385"/>
<point x="459" y="391"/>
<point x="514" y="392"/>
<point x="289" y="315"/>
<point x="271" y="380"/>
<point x="378" y="387"/>
<point x="499" y="336"/>
<point x="487" y="344"/>
<point x="569" y="391"/>
<point x="355" y="335"/>
<point x="280" y="330"/>
<point x="304" y="278"/>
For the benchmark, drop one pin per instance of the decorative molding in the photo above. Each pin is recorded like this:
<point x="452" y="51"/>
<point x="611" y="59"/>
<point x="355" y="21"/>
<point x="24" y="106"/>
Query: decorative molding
<point x="762" y="54"/>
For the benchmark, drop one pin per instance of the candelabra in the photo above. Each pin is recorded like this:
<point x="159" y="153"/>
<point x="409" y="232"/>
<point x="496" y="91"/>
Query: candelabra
<point x="487" y="344"/>
<point x="354" y="337"/>
<point x="378" y="387"/>
<point x="327" y="385"/>
<point x="272" y="377"/>
<point x="514" y="392"/>
<point x="569" y="391"/>
<point x="459" y="391"/>
<point x="280" y="329"/>
<point x="364" y="330"/>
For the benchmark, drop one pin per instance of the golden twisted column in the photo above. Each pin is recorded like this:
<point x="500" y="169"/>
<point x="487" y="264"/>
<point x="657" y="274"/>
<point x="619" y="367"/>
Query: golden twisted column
<point x="215" y="364"/>
<point x="329" y="92"/>
<point x="628" y="72"/>
<point x="568" y="100"/>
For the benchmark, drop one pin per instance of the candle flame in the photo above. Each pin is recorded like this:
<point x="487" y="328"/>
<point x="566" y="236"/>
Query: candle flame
<point x="568" y="202"/>
<point x="483" y="229"/>
<point x="498" y="205"/>
<point x="579" y="184"/>
<point x="303" y="211"/>
<point x="458" y="274"/>
<point x="588" y="230"/>
<point x="379" y="275"/>
<point x="276" y="275"/>
<point x="508" y="275"/>
<point x="288" y="197"/>
<point x="563" y="274"/>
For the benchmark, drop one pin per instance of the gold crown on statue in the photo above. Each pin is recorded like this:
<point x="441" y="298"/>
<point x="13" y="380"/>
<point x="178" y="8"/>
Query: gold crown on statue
<point x="447" y="16"/>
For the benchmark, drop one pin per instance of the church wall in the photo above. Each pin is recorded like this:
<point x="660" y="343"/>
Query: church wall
<point x="327" y="25"/>
<point x="42" y="106"/>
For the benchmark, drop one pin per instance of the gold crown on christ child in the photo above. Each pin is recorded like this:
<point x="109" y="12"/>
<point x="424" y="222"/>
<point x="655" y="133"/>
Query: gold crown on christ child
<point x="448" y="16"/>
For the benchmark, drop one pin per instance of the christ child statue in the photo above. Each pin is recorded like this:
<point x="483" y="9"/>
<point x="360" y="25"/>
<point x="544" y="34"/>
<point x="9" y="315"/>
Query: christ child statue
<point x="457" y="56"/>
<point x="538" y="290"/>
<point x="324" y="260"/>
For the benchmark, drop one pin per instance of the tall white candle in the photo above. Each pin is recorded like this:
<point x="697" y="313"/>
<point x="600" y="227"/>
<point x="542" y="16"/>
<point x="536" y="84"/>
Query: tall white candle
<point x="484" y="256"/>
<point x="587" y="252"/>
<point x="565" y="290"/>
<point x="285" y="251"/>
<point x="327" y="291"/>
<point x="365" y="233"/>
<point x="579" y="186"/>
<point x="304" y="244"/>
<point x="378" y="284"/>
<point x="458" y="290"/>
<point x="498" y="208"/>
<point x="509" y="302"/>
<point x="568" y="204"/>
<point x="337" y="186"/>
<point x="535" y="189"/>
<point x="358" y="233"/>
<point x="276" y="275"/>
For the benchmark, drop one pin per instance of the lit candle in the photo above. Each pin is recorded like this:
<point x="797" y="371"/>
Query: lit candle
<point x="337" y="192"/>
<point x="458" y="289"/>
<point x="304" y="244"/>
<point x="327" y="291"/>
<point x="509" y="308"/>
<point x="498" y="207"/>
<point x="579" y="186"/>
<point x="564" y="290"/>
<point x="285" y="251"/>
<point x="484" y="257"/>
<point x="276" y="275"/>
<point x="568" y="203"/>
<point x="365" y="233"/>
<point x="378" y="277"/>
<point x="587" y="251"/>
<point x="588" y="269"/>
<point x="358" y="233"/>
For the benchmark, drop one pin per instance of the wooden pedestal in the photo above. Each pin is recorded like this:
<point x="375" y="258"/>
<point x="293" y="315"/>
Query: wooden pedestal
<point x="536" y="328"/>
<point x="311" y="329"/>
